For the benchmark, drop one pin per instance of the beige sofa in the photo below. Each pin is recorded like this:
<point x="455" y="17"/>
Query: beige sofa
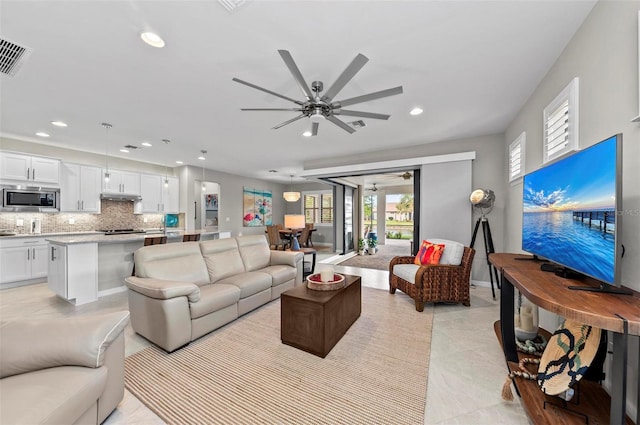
<point x="62" y="371"/>
<point x="182" y="291"/>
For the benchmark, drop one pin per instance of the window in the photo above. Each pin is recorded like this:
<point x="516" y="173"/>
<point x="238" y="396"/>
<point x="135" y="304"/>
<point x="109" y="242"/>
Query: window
<point x="516" y="157"/>
<point x="318" y="207"/>
<point x="561" y="123"/>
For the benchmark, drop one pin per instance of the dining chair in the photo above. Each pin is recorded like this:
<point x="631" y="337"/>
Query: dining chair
<point x="191" y="238"/>
<point x="310" y="227"/>
<point x="273" y="235"/>
<point x="303" y="239"/>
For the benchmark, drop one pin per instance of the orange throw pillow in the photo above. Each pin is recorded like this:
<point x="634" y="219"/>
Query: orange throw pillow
<point x="429" y="253"/>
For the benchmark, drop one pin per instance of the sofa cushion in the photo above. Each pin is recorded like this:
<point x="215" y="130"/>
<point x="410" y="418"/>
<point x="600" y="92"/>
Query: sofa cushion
<point x="214" y="297"/>
<point x="36" y="344"/>
<point x="222" y="258"/>
<point x="250" y="283"/>
<point x="255" y="252"/>
<point x="406" y="271"/>
<point x="180" y="262"/>
<point x="280" y="274"/>
<point x="58" y="395"/>
<point x="453" y="251"/>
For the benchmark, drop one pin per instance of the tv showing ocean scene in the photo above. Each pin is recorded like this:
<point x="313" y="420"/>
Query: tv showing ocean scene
<point x="569" y="211"/>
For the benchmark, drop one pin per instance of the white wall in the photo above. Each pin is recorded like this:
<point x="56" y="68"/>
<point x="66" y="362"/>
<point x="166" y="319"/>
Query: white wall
<point x="604" y="55"/>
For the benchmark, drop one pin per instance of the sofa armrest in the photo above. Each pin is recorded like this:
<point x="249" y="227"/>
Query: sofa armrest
<point x="31" y="345"/>
<point x="287" y="258"/>
<point x="163" y="289"/>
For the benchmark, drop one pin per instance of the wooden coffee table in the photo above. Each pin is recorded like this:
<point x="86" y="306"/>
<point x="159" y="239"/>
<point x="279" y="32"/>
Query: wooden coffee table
<point x="314" y="321"/>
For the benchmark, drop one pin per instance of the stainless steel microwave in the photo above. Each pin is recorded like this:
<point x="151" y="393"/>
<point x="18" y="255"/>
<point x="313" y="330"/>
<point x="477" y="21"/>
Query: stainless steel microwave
<point x="30" y="199"/>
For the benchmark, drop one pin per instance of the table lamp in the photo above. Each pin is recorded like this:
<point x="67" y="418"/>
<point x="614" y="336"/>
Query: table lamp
<point x="294" y="222"/>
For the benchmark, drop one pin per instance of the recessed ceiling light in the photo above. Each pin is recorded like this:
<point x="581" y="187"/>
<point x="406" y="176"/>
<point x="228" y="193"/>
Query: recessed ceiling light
<point x="152" y="39"/>
<point x="42" y="134"/>
<point x="147" y="144"/>
<point x="416" y="111"/>
<point x="124" y="150"/>
<point x="307" y="133"/>
<point x="179" y="162"/>
<point x="201" y="158"/>
<point x="59" y="123"/>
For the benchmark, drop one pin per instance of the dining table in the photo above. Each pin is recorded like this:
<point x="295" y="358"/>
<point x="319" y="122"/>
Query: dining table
<point x="291" y="233"/>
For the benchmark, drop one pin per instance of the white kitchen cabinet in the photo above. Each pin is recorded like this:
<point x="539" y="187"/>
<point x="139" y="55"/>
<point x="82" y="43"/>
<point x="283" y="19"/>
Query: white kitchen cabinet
<point x="28" y="168"/>
<point x="151" y="192"/>
<point x="122" y="182"/>
<point x="80" y="188"/>
<point x="73" y="272"/>
<point x="158" y="197"/>
<point x="23" y="260"/>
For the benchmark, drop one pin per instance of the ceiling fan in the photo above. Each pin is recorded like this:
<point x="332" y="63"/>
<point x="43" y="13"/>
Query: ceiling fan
<point x="372" y="189"/>
<point x="323" y="107"/>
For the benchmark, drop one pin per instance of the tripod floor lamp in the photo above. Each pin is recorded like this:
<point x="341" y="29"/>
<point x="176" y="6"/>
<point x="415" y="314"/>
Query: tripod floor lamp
<point x="483" y="199"/>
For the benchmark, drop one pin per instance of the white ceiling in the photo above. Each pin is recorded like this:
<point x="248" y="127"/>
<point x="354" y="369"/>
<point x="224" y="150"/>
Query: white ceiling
<point x="470" y="65"/>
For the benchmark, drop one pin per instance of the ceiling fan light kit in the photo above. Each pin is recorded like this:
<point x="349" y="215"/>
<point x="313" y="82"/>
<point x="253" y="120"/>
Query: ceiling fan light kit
<point x="323" y="108"/>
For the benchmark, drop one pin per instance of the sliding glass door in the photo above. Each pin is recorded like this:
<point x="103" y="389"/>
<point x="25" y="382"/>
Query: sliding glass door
<point x="349" y="197"/>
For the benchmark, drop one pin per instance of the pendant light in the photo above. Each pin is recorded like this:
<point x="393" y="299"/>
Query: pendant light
<point x="166" y="179"/>
<point x="107" y="126"/>
<point x="202" y="158"/>
<point x="291" y="196"/>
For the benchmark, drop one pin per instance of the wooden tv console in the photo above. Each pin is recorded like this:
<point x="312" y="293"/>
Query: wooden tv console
<point x="619" y="314"/>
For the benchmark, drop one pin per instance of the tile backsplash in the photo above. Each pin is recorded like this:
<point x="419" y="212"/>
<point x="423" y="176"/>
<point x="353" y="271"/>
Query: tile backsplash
<point x="114" y="215"/>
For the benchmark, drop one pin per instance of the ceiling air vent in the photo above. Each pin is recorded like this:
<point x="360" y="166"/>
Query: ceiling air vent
<point x="231" y="5"/>
<point x="131" y="147"/>
<point x="12" y="56"/>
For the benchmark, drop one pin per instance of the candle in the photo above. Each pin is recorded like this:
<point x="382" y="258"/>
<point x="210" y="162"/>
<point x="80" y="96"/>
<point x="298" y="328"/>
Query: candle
<point x="526" y="322"/>
<point x="326" y="275"/>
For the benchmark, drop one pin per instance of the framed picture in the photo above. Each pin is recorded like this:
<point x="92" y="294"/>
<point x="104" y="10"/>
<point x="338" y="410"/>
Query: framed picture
<point x="211" y="201"/>
<point x="257" y="207"/>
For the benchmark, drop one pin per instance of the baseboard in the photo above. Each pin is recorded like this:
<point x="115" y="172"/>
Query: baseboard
<point x="337" y="259"/>
<point x="112" y="291"/>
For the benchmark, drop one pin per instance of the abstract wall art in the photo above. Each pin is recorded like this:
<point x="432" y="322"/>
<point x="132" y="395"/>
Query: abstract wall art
<point x="257" y="207"/>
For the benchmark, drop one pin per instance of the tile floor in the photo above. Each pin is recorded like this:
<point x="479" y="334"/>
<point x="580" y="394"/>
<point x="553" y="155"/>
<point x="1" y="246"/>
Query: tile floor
<point x="465" y="390"/>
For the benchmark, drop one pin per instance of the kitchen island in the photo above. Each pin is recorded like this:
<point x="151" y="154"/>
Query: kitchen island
<point x="83" y="268"/>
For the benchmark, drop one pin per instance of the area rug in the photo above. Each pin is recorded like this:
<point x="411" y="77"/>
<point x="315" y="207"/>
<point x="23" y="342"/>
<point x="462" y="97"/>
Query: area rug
<point x="380" y="260"/>
<point x="243" y="374"/>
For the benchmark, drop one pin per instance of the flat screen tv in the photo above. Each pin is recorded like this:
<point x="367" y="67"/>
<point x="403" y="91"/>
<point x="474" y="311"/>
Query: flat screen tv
<point x="570" y="214"/>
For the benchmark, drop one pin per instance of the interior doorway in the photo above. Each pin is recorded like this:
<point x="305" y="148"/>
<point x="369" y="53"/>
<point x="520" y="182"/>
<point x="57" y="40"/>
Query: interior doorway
<point x="206" y="197"/>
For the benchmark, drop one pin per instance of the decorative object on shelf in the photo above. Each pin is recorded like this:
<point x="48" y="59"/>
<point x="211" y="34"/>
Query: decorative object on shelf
<point x="316" y="282"/>
<point x="534" y="346"/>
<point x="257" y="207"/>
<point x="294" y="222"/>
<point x="567" y="357"/>
<point x="522" y="373"/>
<point x="526" y="320"/>
<point x="291" y="196"/>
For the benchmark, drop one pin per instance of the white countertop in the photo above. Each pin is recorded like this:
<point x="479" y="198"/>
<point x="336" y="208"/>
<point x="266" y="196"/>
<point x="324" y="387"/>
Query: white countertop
<point x="101" y="238"/>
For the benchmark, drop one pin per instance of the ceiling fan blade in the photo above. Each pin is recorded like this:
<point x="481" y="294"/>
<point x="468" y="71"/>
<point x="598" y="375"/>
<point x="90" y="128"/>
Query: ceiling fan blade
<point x="341" y="124"/>
<point x="367" y="97"/>
<point x="356" y="65"/>
<point x="297" y="75"/>
<point x="289" y="121"/>
<point x="271" y="109"/>
<point x="361" y="114"/>
<point x="237" y="80"/>
<point x="314" y="128"/>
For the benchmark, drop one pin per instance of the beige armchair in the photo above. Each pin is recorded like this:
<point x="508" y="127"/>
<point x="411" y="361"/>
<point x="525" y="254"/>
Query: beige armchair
<point x="62" y="371"/>
<point x="433" y="283"/>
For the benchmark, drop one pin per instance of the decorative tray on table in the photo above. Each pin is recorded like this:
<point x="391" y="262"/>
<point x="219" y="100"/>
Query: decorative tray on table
<point x="315" y="282"/>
